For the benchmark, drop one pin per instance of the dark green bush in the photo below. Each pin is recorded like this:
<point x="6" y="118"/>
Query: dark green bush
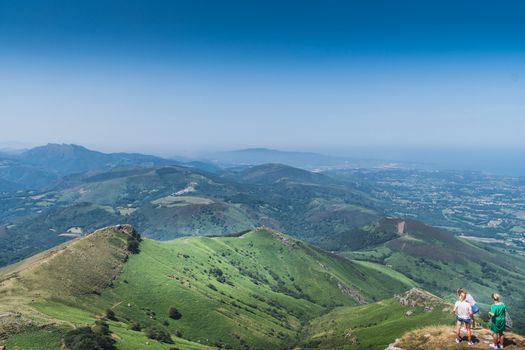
<point x="101" y="327"/>
<point x="134" y="242"/>
<point x="174" y="313"/>
<point x="110" y="315"/>
<point x="85" y="338"/>
<point x="135" y="326"/>
<point x="159" y="333"/>
<point x="133" y="246"/>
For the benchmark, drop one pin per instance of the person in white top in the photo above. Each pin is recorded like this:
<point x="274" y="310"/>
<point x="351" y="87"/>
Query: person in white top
<point x="463" y="312"/>
<point x="475" y="308"/>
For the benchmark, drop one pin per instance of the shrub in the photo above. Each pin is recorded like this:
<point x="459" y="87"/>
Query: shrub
<point x="174" y="313"/>
<point x="135" y="326"/>
<point x="159" y="333"/>
<point x="133" y="246"/>
<point x="134" y="242"/>
<point x="101" y="327"/>
<point x="215" y="271"/>
<point x="221" y="279"/>
<point x="85" y="338"/>
<point x="110" y="315"/>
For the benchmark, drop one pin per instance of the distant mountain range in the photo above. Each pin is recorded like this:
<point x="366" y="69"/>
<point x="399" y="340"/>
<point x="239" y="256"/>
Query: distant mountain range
<point x="46" y="166"/>
<point x="229" y="258"/>
<point x="42" y="167"/>
<point x="304" y="160"/>
<point x="171" y="201"/>
<point x="257" y="156"/>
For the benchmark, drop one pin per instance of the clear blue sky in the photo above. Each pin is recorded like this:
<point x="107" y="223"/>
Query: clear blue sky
<point x="175" y="76"/>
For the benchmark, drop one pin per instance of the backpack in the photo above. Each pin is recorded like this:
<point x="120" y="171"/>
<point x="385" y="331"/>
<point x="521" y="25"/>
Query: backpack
<point x="508" y="320"/>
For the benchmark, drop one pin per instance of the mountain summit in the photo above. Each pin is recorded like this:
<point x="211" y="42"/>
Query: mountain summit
<point x="65" y="159"/>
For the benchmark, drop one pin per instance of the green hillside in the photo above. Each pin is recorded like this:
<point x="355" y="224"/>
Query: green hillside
<point x="441" y="262"/>
<point x="256" y="290"/>
<point x="373" y="326"/>
<point x="170" y="202"/>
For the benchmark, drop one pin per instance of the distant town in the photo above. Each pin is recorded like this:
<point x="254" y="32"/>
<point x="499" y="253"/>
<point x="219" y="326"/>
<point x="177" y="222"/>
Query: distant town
<point x="479" y="206"/>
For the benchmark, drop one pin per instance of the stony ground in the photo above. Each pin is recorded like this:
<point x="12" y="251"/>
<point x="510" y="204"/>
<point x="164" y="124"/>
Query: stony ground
<point x="443" y="338"/>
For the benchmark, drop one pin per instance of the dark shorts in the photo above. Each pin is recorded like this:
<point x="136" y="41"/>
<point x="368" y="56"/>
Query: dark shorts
<point x="475" y="308"/>
<point x="464" y="320"/>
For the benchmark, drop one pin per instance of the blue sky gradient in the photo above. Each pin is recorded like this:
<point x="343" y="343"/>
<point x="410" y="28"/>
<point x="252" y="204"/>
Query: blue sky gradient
<point x="171" y="77"/>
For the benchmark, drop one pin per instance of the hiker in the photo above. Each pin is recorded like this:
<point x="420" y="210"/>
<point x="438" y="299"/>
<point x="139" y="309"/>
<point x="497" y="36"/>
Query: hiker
<point x="463" y="312"/>
<point x="469" y="299"/>
<point x="498" y="322"/>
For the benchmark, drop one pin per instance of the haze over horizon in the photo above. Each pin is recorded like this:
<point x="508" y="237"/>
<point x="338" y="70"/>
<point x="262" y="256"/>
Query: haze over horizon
<point x="334" y="77"/>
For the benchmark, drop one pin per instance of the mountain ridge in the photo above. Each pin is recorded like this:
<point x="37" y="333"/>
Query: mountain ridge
<point x="172" y="201"/>
<point x="270" y="281"/>
<point x="67" y="159"/>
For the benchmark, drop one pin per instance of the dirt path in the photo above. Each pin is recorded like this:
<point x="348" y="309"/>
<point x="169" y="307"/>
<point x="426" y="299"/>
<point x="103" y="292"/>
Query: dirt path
<point x="117" y="304"/>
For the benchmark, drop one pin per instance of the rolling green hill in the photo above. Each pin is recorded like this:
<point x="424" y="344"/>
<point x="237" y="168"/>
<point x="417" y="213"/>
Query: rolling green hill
<point x="170" y="202"/>
<point x="256" y="290"/>
<point x="374" y="325"/>
<point x="442" y="262"/>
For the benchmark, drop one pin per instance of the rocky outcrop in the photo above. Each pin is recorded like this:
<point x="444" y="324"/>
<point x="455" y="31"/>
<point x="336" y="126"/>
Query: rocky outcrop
<point x="352" y="293"/>
<point x="419" y="298"/>
<point x="443" y="338"/>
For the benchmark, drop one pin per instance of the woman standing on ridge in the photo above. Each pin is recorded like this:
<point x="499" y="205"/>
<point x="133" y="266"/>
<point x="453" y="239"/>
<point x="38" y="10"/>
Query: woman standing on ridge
<point x="498" y="321"/>
<point x="473" y="304"/>
<point x="463" y="312"/>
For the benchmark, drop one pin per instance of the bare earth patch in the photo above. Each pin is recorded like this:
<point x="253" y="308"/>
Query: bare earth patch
<point x="443" y="338"/>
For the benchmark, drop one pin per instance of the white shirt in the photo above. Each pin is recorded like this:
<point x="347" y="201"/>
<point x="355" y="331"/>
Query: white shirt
<point x="463" y="309"/>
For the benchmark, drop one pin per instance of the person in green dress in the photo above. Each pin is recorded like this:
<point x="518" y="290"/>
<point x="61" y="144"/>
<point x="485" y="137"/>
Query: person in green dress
<point x="498" y="312"/>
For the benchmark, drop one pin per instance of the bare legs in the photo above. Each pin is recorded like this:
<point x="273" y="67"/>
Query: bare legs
<point x="499" y="338"/>
<point x="469" y="333"/>
<point x="458" y="330"/>
<point x="467" y="327"/>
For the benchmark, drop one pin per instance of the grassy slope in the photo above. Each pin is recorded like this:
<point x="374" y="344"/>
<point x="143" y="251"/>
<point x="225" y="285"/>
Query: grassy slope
<point x="42" y="296"/>
<point x="35" y="339"/>
<point x="371" y="326"/>
<point x="387" y="271"/>
<point x="87" y="265"/>
<point x="271" y="286"/>
<point x="440" y="262"/>
<point x="305" y="205"/>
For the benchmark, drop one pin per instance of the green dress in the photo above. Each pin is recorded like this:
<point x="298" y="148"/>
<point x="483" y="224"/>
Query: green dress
<point x="498" y="321"/>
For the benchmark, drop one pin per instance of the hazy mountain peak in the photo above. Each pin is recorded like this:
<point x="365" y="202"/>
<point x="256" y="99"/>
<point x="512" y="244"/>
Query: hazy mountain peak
<point x="56" y="149"/>
<point x="66" y="159"/>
